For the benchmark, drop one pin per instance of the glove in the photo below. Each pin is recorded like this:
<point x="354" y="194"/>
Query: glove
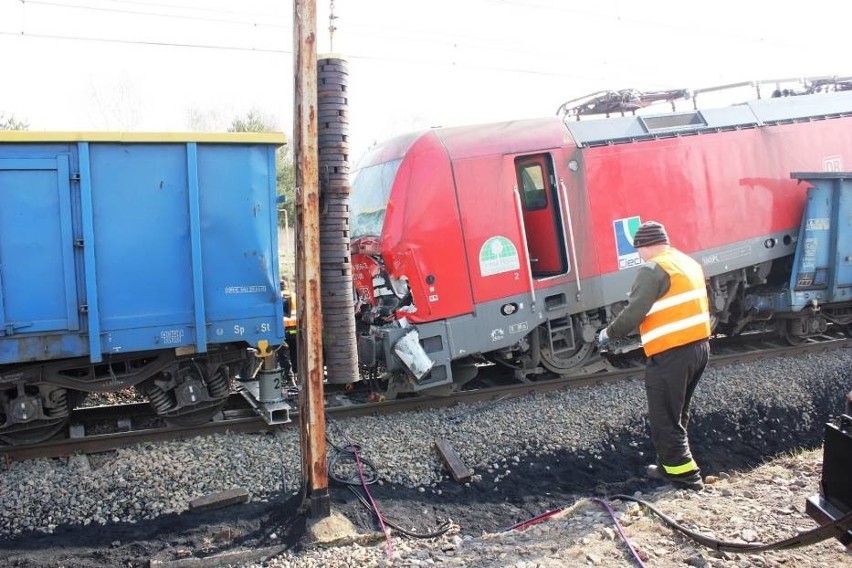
<point x="603" y="338"/>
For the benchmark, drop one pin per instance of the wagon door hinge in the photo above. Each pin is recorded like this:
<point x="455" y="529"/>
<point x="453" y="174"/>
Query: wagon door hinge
<point x="84" y="308"/>
<point x="79" y="243"/>
<point x="75" y="176"/>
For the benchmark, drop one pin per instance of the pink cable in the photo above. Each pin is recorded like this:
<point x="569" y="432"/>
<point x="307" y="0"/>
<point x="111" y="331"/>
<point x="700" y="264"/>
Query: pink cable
<point x="534" y="521"/>
<point x="385" y="530"/>
<point x="547" y="514"/>
<point x="620" y="532"/>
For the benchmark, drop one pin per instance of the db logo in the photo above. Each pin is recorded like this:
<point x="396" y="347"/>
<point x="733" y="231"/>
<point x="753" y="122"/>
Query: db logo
<point x="832" y="164"/>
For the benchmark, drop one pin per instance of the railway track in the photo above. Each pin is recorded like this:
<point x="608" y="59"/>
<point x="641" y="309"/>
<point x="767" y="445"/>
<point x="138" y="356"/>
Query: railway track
<point x="105" y="428"/>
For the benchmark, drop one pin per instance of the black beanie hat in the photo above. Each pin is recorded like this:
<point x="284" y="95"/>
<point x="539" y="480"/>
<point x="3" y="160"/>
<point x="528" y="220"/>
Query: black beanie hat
<point x="650" y="233"/>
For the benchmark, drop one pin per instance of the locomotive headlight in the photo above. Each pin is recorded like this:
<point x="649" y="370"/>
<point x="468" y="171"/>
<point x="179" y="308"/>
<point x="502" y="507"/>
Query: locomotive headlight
<point x="509" y="309"/>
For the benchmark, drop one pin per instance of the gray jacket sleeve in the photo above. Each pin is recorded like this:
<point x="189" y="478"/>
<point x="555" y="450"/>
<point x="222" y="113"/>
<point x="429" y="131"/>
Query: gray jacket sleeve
<point x="652" y="282"/>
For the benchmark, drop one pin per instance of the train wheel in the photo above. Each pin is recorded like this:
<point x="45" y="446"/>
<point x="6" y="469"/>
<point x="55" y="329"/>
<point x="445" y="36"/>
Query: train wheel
<point x="796" y="332"/>
<point x="34" y="432"/>
<point x="792" y="340"/>
<point x="190" y="395"/>
<point x="567" y="364"/>
<point x="52" y="405"/>
<point x="580" y="360"/>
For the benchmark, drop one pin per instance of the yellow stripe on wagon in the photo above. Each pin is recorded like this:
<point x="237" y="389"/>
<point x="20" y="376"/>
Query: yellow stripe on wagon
<point x="145" y="137"/>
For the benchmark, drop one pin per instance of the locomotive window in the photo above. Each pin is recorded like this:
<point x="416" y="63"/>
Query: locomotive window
<point x="368" y="201"/>
<point x="532" y="180"/>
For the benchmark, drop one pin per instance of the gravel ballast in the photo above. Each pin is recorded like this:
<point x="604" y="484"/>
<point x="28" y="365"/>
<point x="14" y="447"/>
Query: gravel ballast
<point x="575" y="442"/>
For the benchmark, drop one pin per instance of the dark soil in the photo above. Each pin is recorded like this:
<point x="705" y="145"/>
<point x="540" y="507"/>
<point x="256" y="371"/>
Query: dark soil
<point x="183" y="540"/>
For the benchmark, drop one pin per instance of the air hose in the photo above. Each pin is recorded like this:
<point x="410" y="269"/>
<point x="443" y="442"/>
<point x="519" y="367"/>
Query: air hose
<point x="828" y="530"/>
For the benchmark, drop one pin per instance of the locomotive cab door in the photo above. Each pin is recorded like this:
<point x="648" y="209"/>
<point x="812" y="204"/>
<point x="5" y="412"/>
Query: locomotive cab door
<point x="540" y="211"/>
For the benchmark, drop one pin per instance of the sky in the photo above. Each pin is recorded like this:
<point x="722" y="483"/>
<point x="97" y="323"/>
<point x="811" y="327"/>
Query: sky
<point x="178" y="65"/>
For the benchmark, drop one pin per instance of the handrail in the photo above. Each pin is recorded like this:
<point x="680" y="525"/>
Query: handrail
<point x="519" y="210"/>
<point x="564" y="194"/>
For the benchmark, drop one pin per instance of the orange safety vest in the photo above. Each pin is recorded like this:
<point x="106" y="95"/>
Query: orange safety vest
<point x="290" y="322"/>
<point x="681" y="315"/>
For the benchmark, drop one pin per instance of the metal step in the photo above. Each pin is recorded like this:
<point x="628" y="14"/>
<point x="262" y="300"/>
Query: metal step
<point x="564" y="343"/>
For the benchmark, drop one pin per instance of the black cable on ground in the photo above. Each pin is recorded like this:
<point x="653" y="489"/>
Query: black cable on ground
<point x="352" y="452"/>
<point x="835" y="529"/>
<point x="443" y="528"/>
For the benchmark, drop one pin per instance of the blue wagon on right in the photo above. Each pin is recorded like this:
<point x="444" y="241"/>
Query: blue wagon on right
<point x="817" y="288"/>
<point x="822" y="272"/>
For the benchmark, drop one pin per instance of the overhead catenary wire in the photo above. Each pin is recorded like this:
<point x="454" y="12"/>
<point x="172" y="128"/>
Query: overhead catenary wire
<point x="457" y="40"/>
<point x="149" y="43"/>
<point x="194" y="7"/>
<point x="432" y="36"/>
<point x="258" y="21"/>
<point x="617" y="18"/>
<point x="384" y="58"/>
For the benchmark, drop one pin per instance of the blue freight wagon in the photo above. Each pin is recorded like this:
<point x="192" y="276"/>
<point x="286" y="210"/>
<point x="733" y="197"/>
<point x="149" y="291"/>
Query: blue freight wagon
<point x="146" y="260"/>
<point x="814" y="288"/>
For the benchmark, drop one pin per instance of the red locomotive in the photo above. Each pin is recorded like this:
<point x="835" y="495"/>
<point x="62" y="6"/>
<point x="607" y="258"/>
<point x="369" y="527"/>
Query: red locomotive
<point x="511" y="242"/>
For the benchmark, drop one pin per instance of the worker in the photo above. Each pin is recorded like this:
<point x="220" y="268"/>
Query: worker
<point x="287" y="351"/>
<point x="668" y="303"/>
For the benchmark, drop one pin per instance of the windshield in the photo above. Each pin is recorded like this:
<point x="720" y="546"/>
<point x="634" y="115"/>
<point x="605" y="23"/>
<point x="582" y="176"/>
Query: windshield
<point x="369" y="198"/>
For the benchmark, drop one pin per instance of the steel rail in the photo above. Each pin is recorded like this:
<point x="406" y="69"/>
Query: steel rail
<point x="239" y="418"/>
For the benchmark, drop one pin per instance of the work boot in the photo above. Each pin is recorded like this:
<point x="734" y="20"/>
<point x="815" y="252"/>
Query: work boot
<point x="687" y="481"/>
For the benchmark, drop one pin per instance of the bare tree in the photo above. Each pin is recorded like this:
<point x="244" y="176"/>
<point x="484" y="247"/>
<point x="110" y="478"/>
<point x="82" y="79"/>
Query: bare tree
<point x="253" y="121"/>
<point x="256" y="121"/>
<point x="9" y="122"/>
<point x="198" y="120"/>
<point x="118" y="104"/>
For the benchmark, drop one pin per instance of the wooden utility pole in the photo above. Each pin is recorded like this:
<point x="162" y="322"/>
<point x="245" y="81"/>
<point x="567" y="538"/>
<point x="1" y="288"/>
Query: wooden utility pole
<point x="310" y="362"/>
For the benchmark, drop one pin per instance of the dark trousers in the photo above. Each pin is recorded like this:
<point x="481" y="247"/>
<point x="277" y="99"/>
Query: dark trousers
<point x="670" y="380"/>
<point x="287" y="355"/>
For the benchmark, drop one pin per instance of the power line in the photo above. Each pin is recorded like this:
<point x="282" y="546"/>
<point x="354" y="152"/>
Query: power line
<point x="408" y="60"/>
<point x="192" y="8"/>
<point x="428" y="37"/>
<point x="155" y="14"/>
<point x="290" y="52"/>
<point x="438" y="37"/>
<point x="690" y="30"/>
<point x="148" y="43"/>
